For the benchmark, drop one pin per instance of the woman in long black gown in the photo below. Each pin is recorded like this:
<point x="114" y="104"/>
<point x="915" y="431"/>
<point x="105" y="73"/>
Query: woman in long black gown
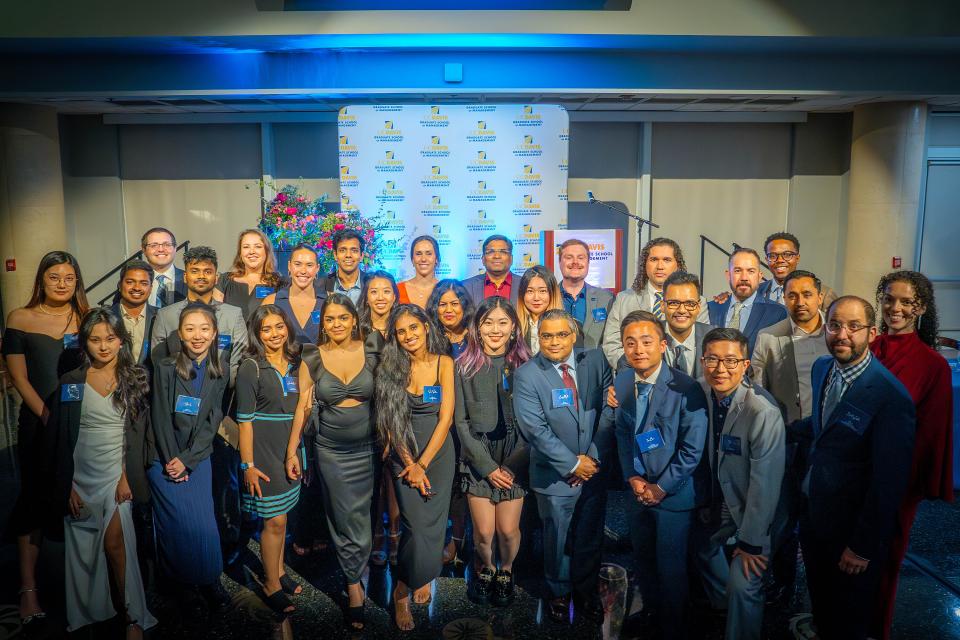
<point x="414" y="400"/>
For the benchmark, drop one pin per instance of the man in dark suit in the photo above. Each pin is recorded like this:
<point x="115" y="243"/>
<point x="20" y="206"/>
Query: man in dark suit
<point x="586" y="303"/>
<point x="136" y="277"/>
<point x="681" y="306"/>
<point x="159" y="248"/>
<point x="660" y="425"/>
<point x="348" y="278"/>
<point x="859" y="452"/>
<point x="745" y="311"/>
<point x="560" y="404"/>
<point x="783" y="255"/>
<point x="496" y="280"/>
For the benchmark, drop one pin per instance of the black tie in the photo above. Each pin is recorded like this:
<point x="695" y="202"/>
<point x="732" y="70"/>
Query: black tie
<point x="680" y="360"/>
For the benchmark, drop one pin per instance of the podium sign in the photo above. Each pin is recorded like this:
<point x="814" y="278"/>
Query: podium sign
<point x="606" y="251"/>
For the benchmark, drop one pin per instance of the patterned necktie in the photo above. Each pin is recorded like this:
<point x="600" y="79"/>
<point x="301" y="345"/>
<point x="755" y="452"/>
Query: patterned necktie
<point x="831" y="398"/>
<point x="657" y="305"/>
<point x="161" y="291"/>
<point x="680" y="359"/>
<point x="568" y="382"/>
<point x="735" y="318"/>
<point x="778" y="294"/>
<point x="643" y="401"/>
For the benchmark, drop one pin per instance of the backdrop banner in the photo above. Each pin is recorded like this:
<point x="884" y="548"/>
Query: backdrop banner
<point x="459" y="173"/>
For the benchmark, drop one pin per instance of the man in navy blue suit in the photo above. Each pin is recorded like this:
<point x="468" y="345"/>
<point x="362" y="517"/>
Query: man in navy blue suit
<point x="559" y="400"/>
<point x="745" y="310"/>
<point x="661" y="426"/>
<point x="859" y="449"/>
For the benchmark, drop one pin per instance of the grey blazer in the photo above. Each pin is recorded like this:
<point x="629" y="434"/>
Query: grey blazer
<point x="774" y="366"/>
<point x="626" y="301"/>
<point x="750" y="481"/>
<point x="829" y="295"/>
<point x="229" y="323"/>
<point x="595" y="320"/>
<point x="474" y="286"/>
<point x="700" y="330"/>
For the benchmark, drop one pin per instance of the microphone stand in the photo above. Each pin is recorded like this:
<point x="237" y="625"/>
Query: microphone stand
<point x="641" y="221"/>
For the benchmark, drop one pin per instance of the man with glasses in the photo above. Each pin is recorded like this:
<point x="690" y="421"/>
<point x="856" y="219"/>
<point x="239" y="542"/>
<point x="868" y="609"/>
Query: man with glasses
<point x="783" y="256"/>
<point x="559" y="400"/>
<point x="739" y="480"/>
<point x="682" y="306"/>
<point x="745" y="311"/>
<point x="496" y="280"/>
<point x="858" y="446"/>
<point x="159" y="248"/>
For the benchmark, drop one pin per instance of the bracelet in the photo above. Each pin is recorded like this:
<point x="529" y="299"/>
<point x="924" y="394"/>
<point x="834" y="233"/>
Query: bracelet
<point x="421" y="465"/>
<point x="246" y="465"/>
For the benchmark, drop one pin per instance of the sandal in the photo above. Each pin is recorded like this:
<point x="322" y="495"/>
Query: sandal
<point x="290" y="586"/>
<point x="354" y="617"/>
<point x="40" y="615"/>
<point x="429" y="589"/>
<point x="394" y="546"/>
<point x="453" y="558"/>
<point x="279" y="603"/>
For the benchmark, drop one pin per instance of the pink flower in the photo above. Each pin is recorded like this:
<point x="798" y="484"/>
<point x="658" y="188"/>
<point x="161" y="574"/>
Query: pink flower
<point x="328" y="244"/>
<point x="291" y="210"/>
<point x="339" y="226"/>
<point x="341" y="215"/>
<point x="281" y="197"/>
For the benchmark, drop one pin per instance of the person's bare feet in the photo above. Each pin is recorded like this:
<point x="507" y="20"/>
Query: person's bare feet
<point x="423" y="594"/>
<point x="401" y="609"/>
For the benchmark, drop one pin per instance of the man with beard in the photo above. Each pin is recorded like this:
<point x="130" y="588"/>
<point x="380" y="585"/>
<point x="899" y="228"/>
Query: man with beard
<point x="133" y="289"/>
<point x="859" y="450"/>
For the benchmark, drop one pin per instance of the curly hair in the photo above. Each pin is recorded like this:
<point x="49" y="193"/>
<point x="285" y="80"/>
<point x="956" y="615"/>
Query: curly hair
<point x="640" y="282"/>
<point x="928" y="324"/>
<point x="133" y="385"/>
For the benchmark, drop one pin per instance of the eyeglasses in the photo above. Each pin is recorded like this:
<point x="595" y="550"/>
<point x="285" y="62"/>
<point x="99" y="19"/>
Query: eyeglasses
<point x="67" y="280"/>
<point x="786" y="255"/>
<point x="493" y="252"/>
<point x="729" y="363"/>
<point x="689" y="305"/>
<point x="153" y="246"/>
<point x="547" y="337"/>
<point x="833" y="327"/>
<point x="888" y="301"/>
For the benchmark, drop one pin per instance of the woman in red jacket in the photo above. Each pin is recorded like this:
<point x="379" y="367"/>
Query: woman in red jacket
<point x="906" y="346"/>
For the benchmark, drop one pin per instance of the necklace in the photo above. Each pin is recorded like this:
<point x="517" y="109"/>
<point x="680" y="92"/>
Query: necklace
<point x="50" y="313"/>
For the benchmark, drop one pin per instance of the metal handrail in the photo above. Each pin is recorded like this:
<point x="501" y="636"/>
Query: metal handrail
<point x="139" y="254"/>
<point x="703" y="250"/>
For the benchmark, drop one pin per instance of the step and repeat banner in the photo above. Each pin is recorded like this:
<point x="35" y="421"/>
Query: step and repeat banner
<point x="459" y="173"/>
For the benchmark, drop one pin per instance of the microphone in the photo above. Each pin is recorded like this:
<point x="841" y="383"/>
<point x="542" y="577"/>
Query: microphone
<point x="590" y="197"/>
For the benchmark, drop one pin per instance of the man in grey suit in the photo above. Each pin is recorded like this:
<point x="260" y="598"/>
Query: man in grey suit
<point x="682" y="305"/>
<point x="588" y="305"/>
<point x="559" y="400"/>
<point x="659" y="258"/>
<point x="741" y="474"/>
<point x="496" y="280"/>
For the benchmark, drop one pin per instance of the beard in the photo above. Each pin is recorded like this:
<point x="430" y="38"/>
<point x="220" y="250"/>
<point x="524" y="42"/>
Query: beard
<point x="855" y="352"/>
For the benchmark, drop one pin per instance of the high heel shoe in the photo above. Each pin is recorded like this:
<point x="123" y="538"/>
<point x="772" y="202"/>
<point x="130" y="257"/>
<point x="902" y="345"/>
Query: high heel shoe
<point x="354" y="618"/>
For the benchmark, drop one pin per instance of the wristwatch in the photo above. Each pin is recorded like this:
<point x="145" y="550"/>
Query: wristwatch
<point x="246" y="465"/>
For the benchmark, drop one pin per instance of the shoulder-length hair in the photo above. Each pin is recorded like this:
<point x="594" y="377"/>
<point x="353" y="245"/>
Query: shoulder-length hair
<point x="474" y="358"/>
<point x="640" y="281"/>
<point x="133" y="387"/>
<point x="268" y="271"/>
<point x="466" y="302"/>
<point x="184" y="362"/>
<point x="366" y="320"/>
<point x="556" y="298"/>
<point x="393" y="377"/>
<point x="344" y="301"/>
<point x="255" y="348"/>
<point x="78" y="302"/>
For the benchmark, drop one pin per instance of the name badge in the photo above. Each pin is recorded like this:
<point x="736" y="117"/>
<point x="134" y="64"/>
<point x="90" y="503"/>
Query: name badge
<point x="71" y="392"/>
<point x="261" y="291"/>
<point x="649" y="440"/>
<point x="225" y="341"/>
<point x="71" y="341"/>
<point x="599" y="315"/>
<point x="290" y="384"/>
<point x="506" y="381"/>
<point x="730" y="444"/>
<point x="315" y="317"/>
<point x="433" y="394"/>
<point x="188" y="405"/>
<point x="562" y="398"/>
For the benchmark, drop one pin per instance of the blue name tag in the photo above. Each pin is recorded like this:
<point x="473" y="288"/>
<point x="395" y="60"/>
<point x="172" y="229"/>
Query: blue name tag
<point x="188" y="405"/>
<point x="261" y="291"/>
<point x="730" y="444"/>
<point x="290" y="384"/>
<point x="599" y="315"/>
<point x="71" y="392"/>
<point x="649" y="440"/>
<point x="506" y="382"/>
<point x="315" y="317"/>
<point x="854" y="419"/>
<point x="225" y="341"/>
<point x="433" y="394"/>
<point x="71" y="340"/>
<point x="562" y="398"/>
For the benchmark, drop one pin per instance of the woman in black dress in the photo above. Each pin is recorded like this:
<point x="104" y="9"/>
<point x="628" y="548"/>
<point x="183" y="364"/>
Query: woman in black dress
<point x="40" y="344"/>
<point x="253" y="275"/>
<point x="451" y="307"/>
<point x="414" y="399"/>
<point x="267" y="395"/>
<point x="494" y="454"/>
<point x="339" y="376"/>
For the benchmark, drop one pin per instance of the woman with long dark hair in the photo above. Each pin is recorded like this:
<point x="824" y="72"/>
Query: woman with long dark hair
<point x="537" y="293"/>
<point x="451" y="307"/>
<point x="425" y="256"/>
<point x="253" y="275"/>
<point x="40" y="344"/>
<point x="377" y="297"/>
<point x="97" y="428"/>
<point x="337" y="379"/>
<point x="494" y="457"/>
<point x="267" y="394"/>
<point x="414" y="399"/>
<point x="906" y="346"/>
<point x="186" y="412"/>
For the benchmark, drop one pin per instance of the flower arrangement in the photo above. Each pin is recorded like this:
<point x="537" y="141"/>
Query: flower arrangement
<point x="291" y="218"/>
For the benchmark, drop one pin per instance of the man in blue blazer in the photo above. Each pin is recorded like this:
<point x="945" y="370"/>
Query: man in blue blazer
<point x="559" y="400"/>
<point x="745" y="310"/>
<point x="660" y="425"/>
<point x="859" y="451"/>
<point x="159" y="247"/>
<point x="133" y="289"/>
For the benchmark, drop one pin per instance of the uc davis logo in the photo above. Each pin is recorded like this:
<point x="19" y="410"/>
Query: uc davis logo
<point x="527" y="236"/>
<point x="482" y="133"/>
<point x="389" y="133"/>
<point x="436" y="149"/>
<point x="437" y="228"/>
<point x="528" y="261"/>
<point x="527" y="207"/>
<point x="346" y="149"/>
<point x="435" y="119"/>
<point x="481" y="193"/>
<point x="345" y="203"/>
<point x="436" y="178"/>
<point x="392" y="223"/>
<point x="436" y="208"/>
<point x="390" y="193"/>
<point x="528" y="117"/>
<point x="345" y="118"/>
<point x="481" y="222"/>
<point x="390" y="164"/>
<point x="346" y="179"/>
<point x="482" y="164"/>
<point x="528" y="228"/>
<point x="443" y="239"/>
<point x="527" y="177"/>
<point x="528" y="148"/>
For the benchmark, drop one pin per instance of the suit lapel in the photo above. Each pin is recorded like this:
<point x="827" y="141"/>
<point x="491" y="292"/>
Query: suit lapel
<point x="819" y="388"/>
<point x="857" y="396"/>
<point x="659" y="394"/>
<point x="555" y="381"/>
<point x="719" y="318"/>
<point x="756" y="316"/>
<point x="736" y="407"/>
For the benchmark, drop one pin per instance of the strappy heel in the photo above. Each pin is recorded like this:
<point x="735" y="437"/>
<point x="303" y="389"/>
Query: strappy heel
<point x="290" y="586"/>
<point x="279" y="602"/>
<point x="40" y="615"/>
<point x="354" y="618"/>
<point x="455" y="558"/>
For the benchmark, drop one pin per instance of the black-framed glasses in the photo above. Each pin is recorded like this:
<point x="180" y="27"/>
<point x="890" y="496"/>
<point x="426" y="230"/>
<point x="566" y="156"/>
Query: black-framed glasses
<point x="689" y="305"/>
<point x="833" y="327"/>
<point x="786" y="255"/>
<point x="729" y="363"/>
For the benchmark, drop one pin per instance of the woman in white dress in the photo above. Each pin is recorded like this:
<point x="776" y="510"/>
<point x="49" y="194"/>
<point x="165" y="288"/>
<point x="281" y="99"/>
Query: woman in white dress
<point x="98" y="423"/>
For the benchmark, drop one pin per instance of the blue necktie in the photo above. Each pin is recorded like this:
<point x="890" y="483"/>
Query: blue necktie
<point x="643" y="401"/>
<point x="831" y="398"/>
<point x="161" y="291"/>
<point x="657" y="305"/>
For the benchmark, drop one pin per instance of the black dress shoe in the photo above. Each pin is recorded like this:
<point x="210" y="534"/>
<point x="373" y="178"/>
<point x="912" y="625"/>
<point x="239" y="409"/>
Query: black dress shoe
<point x="559" y="609"/>
<point x="216" y="596"/>
<point x="502" y="593"/>
<point x="480" y="586"/>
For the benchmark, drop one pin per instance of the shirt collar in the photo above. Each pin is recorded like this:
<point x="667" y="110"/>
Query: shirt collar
<point x="746" y="303"/>
<point x="690" y="344"/>
<point x="652" y="290"/>
<point x="723" y="403"/>
<point x="571" y="360"/>
<point x="797" y="331"/>
<point x="126" y="315"/>
<point x="567" y="294"/>
<point x="506" y="281"/>
<point x="652" y="378"/>
<point x="338" y="286"/>
<point x="850" y="373"/>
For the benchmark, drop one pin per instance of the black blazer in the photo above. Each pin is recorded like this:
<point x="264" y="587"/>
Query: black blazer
<point x="178" y="435"/>
<point x="476" y="412"/>
<point x="62" y="430"/>
<point x="151" y="316"/>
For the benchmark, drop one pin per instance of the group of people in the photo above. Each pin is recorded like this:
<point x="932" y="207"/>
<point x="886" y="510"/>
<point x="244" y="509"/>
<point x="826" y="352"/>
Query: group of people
<point x="773" y="416"/>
